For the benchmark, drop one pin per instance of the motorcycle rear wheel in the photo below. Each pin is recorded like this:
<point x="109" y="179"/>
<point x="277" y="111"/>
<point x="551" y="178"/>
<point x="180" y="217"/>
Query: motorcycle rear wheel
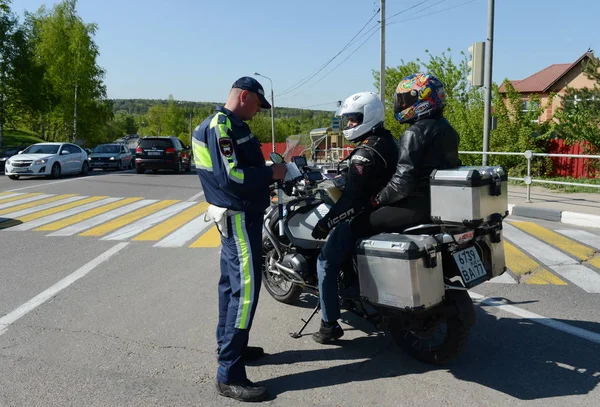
<point x="441" y="343"/>
<point x="281" y="289"/>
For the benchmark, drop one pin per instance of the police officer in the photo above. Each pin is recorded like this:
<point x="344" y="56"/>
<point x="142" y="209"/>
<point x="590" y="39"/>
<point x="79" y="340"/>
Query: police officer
<point x="236" y="180"/>
<point x="371" y="165"/>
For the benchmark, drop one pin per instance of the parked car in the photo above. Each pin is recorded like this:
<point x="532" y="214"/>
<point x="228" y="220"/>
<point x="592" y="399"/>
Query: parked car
<point x="8" y="151"/>
<point x="116" y="156"/>
<point x="162" y="153"/>
<point x="48" y="159"/>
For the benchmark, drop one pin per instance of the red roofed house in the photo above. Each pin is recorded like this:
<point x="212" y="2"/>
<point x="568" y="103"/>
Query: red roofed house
<point x="553" y="79"/>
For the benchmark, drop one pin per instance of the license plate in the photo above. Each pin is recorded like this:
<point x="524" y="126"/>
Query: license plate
<point x="470" y="265"/>
<point x="19" y="170"/>
<point x="154" y="153"/>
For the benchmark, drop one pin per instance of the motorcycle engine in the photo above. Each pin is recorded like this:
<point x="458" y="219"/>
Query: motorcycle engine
<point x="296" y="262"/>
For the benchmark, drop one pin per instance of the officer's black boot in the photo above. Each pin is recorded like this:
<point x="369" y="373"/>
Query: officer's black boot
<point x="330" y="331"/>
<point x="245" y="391"/>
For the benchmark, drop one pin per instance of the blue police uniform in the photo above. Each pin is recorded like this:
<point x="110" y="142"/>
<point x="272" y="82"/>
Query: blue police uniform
<point x="234" y="175"/>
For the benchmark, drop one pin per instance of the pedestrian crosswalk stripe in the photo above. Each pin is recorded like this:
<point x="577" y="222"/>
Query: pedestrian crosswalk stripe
<point x="567" y="245"/>
<point x="558" y="262"/>
<point x="102" y="218"/>
<point x="35" y="204"/>
<point x="127" y="218"/>
<point x="583" y="237"/>
<point x="59" y="207"/>
<point x="212" y="238"/>
<point x="18" y="200"/>
<point x="87" y="215"/>
<point x="6" y="195"/>
<point x="163" y="229"/>
<point x="51" y="215"/>
<point x="52" y="203"/>
<point x="186" y="233"/>
<point x="147" y="222"/>
<point x="527" y="269"/>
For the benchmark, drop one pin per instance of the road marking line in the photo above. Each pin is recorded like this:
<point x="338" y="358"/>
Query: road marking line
<point x="183" y="235"/>
<point x="45" y="295"/>
<point x="555" y="239"/>
<point x="100" y="219"/>
<point x="147" y="222"/>
<point x="121" y="221"/>
<point x="212" y="238"/>
<point x="529" y="270"/>
<point x="52" y="215"/>
<point x="584" y="237"/>
<point x="87" y="215"/>
<point x="35" y="203"/>
<point x="198" y="195"/>
<point x="6" y="195"/>
<point x="549" y="322"/>
<point x="42" y="185"/>
<point x="52" y="203"/>
<point x="161" y="230"/>
<point x="18" y="200"/>
<point x="560" y="263"/>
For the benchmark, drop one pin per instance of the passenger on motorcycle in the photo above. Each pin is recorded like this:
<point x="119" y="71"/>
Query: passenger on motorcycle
<point x="370" y="166"/>
<point x="429" y="143"/>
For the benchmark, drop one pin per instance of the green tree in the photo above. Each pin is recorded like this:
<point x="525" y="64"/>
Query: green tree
<point x="64" y="46"/>
<point x="579" y="115"/>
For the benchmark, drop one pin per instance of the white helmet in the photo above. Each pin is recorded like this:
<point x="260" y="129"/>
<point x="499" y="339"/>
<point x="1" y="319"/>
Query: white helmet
<point x="363" y="108"/>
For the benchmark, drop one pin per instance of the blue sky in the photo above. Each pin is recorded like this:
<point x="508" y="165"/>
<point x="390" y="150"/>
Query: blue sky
<point x="195" y="49"/>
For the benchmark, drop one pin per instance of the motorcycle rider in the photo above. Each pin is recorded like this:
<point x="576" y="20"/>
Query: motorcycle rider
<point x="370" y="166"/>
<point x="429" y="143"/>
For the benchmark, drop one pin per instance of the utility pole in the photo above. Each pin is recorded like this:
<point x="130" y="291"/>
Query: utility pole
<point x="75" y="116"/>
<point x="382" y="54"/>
<point x="487" y="122"/>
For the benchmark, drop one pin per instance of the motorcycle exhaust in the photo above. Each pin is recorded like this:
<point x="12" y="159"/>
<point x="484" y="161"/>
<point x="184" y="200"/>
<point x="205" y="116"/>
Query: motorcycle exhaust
<point x="290" y="274"/>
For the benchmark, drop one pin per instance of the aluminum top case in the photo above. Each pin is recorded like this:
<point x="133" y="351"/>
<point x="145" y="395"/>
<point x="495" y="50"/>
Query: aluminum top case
<point x="469" y="195"/>
<point x="401" y="271"/>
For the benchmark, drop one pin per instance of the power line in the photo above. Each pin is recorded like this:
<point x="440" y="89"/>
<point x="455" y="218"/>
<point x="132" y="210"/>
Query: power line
<point x="320" y="104"/>
<point x="307" y="79"/>
<point x="432" y="13"/>
<point x="405" y="10"/>
<point x="376" y="27"/>
<point x="337" y="66"/>
<point x="310" y="76"/>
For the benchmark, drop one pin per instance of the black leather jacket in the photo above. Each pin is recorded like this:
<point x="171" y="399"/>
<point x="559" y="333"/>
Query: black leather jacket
<point x="370" y="166"/>
<point x="426" y="145"/>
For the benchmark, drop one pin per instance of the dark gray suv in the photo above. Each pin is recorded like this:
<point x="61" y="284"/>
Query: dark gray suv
<point x="162" y="153"/>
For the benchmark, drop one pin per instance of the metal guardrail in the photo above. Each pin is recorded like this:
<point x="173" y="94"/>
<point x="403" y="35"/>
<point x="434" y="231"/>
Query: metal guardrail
<point x="528" y="180"/>
<point x="332" y="155"/>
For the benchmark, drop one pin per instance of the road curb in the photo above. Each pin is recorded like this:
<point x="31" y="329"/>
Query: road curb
<point x="555" y="215"/>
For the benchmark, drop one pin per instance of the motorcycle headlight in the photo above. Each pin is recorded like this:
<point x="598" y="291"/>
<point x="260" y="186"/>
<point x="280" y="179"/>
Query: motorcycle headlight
<point x="38" y="162"/>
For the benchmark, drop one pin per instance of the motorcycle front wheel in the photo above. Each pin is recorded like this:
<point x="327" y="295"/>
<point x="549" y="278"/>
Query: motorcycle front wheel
<point x="276" y="284"/>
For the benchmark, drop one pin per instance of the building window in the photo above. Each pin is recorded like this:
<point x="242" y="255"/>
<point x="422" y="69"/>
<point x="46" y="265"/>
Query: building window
<point x="528" y="105"/>
<point x="577" y="99"/>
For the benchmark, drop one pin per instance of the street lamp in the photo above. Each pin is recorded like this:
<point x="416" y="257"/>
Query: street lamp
<point x="272" y="110"/>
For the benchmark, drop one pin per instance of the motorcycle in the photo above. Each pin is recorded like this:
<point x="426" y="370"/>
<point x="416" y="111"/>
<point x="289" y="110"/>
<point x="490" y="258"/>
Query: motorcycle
<point x="413" y="283"/>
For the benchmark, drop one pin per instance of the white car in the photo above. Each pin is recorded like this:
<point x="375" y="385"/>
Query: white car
<point x="48" y="159"/>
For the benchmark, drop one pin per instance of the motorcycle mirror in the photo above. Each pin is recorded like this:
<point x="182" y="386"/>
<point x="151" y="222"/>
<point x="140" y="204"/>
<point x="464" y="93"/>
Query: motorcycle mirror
<point x="276" y="158"/>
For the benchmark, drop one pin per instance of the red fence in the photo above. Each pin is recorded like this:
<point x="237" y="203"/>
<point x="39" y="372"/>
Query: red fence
<point x="570" y="167"/>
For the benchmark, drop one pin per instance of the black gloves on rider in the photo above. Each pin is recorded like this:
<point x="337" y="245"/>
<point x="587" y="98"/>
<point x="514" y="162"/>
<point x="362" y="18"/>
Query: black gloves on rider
<point x="320" y="231"/>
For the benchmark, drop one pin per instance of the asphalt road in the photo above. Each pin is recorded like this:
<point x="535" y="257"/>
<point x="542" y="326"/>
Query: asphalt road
<point x="91" y="321"/>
